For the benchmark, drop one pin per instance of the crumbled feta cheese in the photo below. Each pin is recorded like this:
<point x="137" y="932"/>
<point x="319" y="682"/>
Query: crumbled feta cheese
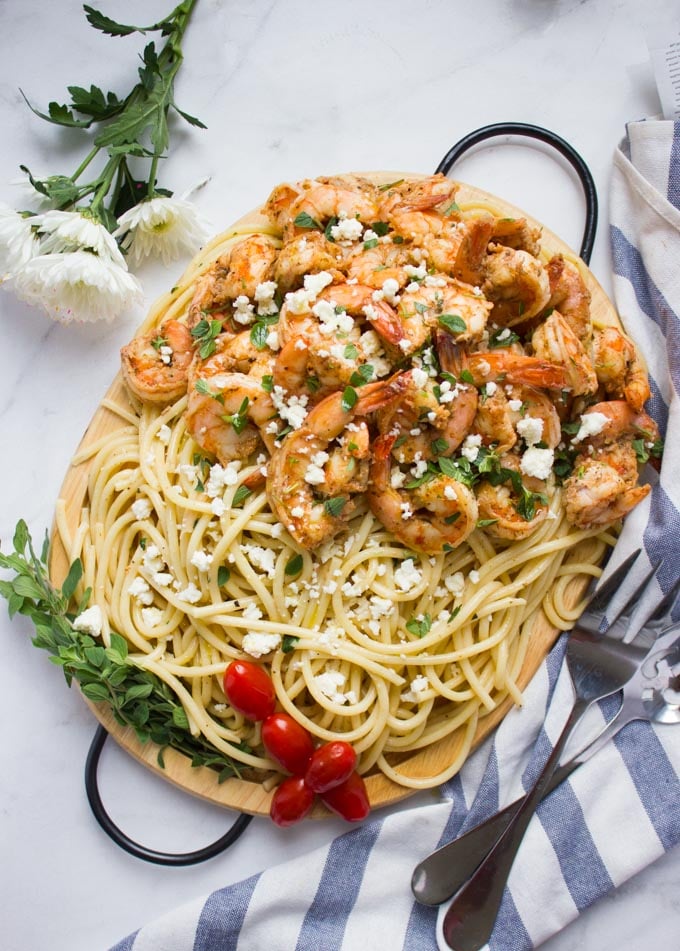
<point x="390" y="290"/>
<point x="297" y="512"/>
<point x="419" y="686"/>
<point x="164" y="434"/>
<point x="190" y="594"/>
<point x="152" y="617"/>
<point x="537" y="462"/>
<point x="380" y="607"/>
<point x="491" y="388"/>
<point x="407" y="576"/>
<point x="201" y="560"/>
<point x="315" y="283"/>
<point x="419" y="273"/>
<point x="450" y="493"/>
<point x="347" y="230"/>
<point x="406" y="510"/>
<point x="264" y="297"/>
<point x="256" y="643"/>
<point x="470" y="447"/>
<point x="217" y="507"/>
<point x="139" y="589"/>
<point x="291" y="410"/>
<point x="530" y="429"/>
<point x="397" y="478"/>
<point x="314" y="475"/>
<point x="141" y="509"/>
<point x="221" y="476"/>
<point x="455" y="584"/>
<point x="166" y="354"/>
<point x="262" y="558"/>
<point x="420" y="377"/>
<point x="419" y="469"/>
<point x="251" y="612"/>
<point x="329" y="684"/>
<point x="514" y="405"/>
<point x="473" y="576"/>
<point x="90" y="621"/>
<point x="243" y="310"/>
<point x="272" y="340"/>
<point x="591" y="425"/>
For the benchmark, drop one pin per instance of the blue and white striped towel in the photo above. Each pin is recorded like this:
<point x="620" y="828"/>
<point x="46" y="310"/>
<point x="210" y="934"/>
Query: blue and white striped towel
<point x="617" y="814"/>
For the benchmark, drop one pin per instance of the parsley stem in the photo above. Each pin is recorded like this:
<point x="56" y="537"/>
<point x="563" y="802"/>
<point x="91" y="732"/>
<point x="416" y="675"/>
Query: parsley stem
<point x="86" y="161"/>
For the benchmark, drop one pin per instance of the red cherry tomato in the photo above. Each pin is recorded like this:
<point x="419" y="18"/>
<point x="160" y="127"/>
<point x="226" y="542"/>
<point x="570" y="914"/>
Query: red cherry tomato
<point x="291" y="802"/>
<point x="349" y="799"/>
<point x="287" y="742"/>
<point x="330" y="766"/>
<point x="249" y="689"/>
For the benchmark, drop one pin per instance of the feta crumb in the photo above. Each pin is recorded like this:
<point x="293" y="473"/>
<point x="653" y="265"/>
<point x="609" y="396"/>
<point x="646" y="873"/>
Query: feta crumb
<point x="139" y="589"/>
<point x="514" y="405"/>
<point x="455" y="584"/>
<point x="152" y="617"/>
<point x="217" y="507"/>
<point x="90" y="621"/>
<point x="251" y="612"/>
<point x="201" y="560"/>
<point x="244" y="311"/>
<point x="537" y="462"/>
<point x="256" y="643"/>
<point x="591" y="425"/>
<point x="190" y="594"/>
<point x="297" y="512"/>
<point x="329" y="684"/>
<point x="530" y="429"/>
<point x="470" y="447"/>
<point x="491" y="388"/>
<point x="347" y="230"/>
<point x="419" y="377"/>
<point x="164" y="434"/>
<point x="407" y="576"/>
<point x="473" y="576"/>
<point x="419" y="686"/>
<point x="262" y="558"/>
<point x="141" y="509"/>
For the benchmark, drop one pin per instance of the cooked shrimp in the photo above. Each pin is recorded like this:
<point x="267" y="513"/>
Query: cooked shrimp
<point x="460" y="249"/>
<point x="494" y="421"/>
<point x="507" y="366"/>
<point x="570" y="296"/>
<point x="236" y="273"/>
<point x="615" y="421"/>
<point x="235" y="354"/>
<point x="306" y="253"/>
<point x="517" y="233"/>
<point x="320" y="201"/>
<point x="619" y="370"/>
<point x="155" y="366"/>
<point x="514" y="411"/>
<point x="372" y="267"/>
<point x="517" y="283"/>
<point x="437" y="515"/>
<point x="513" y="509"/>
<point x="555" y="340"/>
<point x="432" y="417"/>
<point x="435" y="302"/>
<point x="296" y="470"/>
<point x="228" y="415"/>
<point x="416" y="209"/>
<point x="602" y="487"/>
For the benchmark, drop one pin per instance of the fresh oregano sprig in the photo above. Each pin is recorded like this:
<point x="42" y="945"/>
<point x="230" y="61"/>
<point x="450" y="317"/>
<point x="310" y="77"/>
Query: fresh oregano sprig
<point x="137" y="698"/>
<point x="135" y="125"/>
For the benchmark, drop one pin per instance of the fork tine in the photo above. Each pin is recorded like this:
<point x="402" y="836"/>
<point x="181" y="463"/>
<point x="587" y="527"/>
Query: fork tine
<point x="660" y="616"/>
<point x="603" y="593"/>
<point x="635" y="597"/>
<point x="630" y="621"/>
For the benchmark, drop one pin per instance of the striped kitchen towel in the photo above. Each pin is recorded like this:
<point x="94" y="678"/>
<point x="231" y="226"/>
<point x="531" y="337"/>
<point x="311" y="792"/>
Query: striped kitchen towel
<point x="617" y="813"/>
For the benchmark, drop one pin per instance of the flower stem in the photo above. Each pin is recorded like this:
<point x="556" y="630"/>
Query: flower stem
<point x="83" y="165"/>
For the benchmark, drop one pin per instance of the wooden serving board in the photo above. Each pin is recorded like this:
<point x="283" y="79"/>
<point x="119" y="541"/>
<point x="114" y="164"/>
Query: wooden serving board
<point x="251" y="797"/>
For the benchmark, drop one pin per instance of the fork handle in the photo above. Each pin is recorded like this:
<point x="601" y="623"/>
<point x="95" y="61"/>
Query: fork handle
<point x="442" y="873"/>
<point x="470" y="920"/>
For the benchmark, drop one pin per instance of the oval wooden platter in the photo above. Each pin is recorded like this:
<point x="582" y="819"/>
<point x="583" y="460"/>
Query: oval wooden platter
<point x="243" y="795"/>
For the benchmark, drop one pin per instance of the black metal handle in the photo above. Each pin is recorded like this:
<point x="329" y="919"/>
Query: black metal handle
<point x="559" y="144"/>
<point x="135" y="848"/>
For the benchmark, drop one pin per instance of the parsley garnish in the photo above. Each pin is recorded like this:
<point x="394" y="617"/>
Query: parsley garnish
<point x="294" y="566"/>
<point x="454" y="323"/>
<point x="304" y="220"/>
<point x="333" y="507"/>
<point x="204" y="334"/>
<point x="419" y="627"/>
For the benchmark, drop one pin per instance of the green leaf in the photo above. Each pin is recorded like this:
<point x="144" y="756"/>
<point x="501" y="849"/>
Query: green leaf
<point x="419" y="627"/>
<point x="349" y="398"/>
<point x="93" y="103"/>
<point x="20" y="539"/>
<point x="289" y="643"/>
<point x="58" y="114"/>
<point x="304" y="220"/>
<point x="26" y="587"/>
<point x="179" y="718"/>
<point x="96" y="692"/>
<point x="371" y="243"/>
<point x="223" y="575"/>
<point x="267" y="383"/>
<point x="502" y="337"/>
<point x="192" y="120"/>
<point x="240" y="495"/>
<point x="106" y="25"/>
<point x="380" y="227"/>
<point x="453" y="323"/>
<point x="334" y="507"/>
<point x="294" y="565"/>
<point x="74" y="575"/>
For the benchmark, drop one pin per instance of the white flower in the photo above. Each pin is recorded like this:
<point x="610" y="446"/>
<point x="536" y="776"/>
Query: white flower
<point x="160" y="226"/>
<point x="66" y="231"/>
<point x="77" y="286"/>
<point x="18" y="242"/>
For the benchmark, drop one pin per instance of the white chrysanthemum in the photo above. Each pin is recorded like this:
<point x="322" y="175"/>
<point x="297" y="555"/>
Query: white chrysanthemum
<point x="78" y="285"/>
<point x="18" y="243"/>
<point x="66" y="231"/>
<point x="160" y="226"/>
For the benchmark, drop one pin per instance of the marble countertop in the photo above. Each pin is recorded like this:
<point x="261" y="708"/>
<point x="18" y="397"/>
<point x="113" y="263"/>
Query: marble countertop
<point x="287" y="90"/>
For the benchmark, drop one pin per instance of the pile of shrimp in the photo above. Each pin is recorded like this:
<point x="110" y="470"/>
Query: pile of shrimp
<point x="394" y="351"/>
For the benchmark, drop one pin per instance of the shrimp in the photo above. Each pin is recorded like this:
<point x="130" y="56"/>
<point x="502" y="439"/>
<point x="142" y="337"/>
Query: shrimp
<point x="507" y="366"/>
<point x="321" y="200"/>
<point x="434" y="516"/>
<point x="235" y="354"/>
<point x="373" y="266"/>
<point x="517" y="233"/>
<point x="306" y="253"/>
<point x="517" y="410"/>
<point x="445" y="302"/>
<point x="296" y="472"/>
<point x="619" y="369"/>
<point x="431" y="418"/>
<point x="602" y="487"/>
<point x="517" y="283"/>
<point x="410" y="207"/>
<point x="229" y="414"/>
<point x="555" y="340"/>
<point x="615" y="421"/>
<point x="513" y="509"/>
<point x="460" y="250"/>
<point x="235" y="274"/>
<point x="570" y="296"/>
<point x="155" y="366"/>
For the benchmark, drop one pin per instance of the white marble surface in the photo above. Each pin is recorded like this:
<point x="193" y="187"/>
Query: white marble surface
<point x="287" y="90"/>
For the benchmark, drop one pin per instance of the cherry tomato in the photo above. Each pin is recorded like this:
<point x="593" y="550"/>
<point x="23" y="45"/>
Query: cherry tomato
<point x="349" y="799"/>
<point x="249" y="689"/>
<point x="291" y="802"/>
<point x="287" y="742"/>
<point x="330" y="766"/>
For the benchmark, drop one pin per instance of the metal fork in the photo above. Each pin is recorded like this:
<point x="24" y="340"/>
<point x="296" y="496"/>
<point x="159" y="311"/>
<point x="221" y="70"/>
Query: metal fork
<point x="599" y="664"/>
<point x="442" y="873"/>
